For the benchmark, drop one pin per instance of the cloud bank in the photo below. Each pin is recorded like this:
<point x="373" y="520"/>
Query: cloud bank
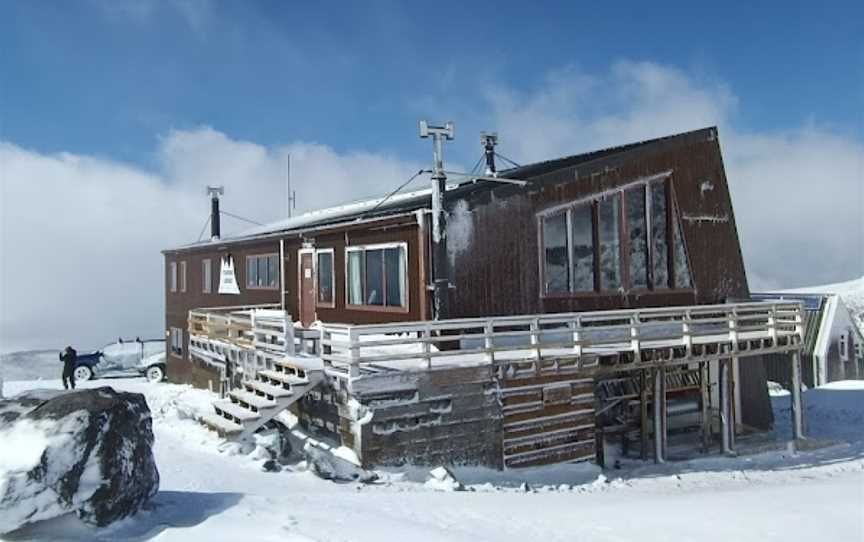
<point x="80" y="236"/>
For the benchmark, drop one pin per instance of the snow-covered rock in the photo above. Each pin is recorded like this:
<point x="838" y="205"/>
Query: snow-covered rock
<point x="88" y="452"/>
<point x="442" y="479"/>
<point x="330" y="466"/>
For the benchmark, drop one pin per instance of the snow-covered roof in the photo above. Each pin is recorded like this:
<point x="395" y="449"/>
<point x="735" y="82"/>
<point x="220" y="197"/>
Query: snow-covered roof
<point x="381" y="206"/>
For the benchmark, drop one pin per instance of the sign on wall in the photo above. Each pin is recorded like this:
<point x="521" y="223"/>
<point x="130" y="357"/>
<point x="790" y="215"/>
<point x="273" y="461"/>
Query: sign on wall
<point x="227" y="278"/>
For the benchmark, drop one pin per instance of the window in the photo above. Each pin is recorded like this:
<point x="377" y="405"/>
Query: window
<point x="377" y="276"/>
<point x="628" y="239"/>
<point x="582" y="235"/>
<point x="176" y="341"/>
<point x="608" y="211"/>
<point x="262" y="271"/>
<point x="182" y="276"/>
<point x="556" y="259"/>
<point x="682" y="270"/>
<point x="206" y="276"/>
<point x="659" y="246"/>
<point x="844" y="347"/>
<point x="637" y="236"/>
<point x="325" y="277"/>
<point x="172" y="276"/>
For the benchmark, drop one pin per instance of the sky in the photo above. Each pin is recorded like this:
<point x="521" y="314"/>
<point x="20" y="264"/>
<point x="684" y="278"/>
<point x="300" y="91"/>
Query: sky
<point x="115" y="114"/>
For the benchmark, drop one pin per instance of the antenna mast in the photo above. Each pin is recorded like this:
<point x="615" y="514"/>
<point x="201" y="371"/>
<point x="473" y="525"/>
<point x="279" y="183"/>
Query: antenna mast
<point x="440" y="261"/>
<point x="489" y="140"/>
<point x="290" y="196"/>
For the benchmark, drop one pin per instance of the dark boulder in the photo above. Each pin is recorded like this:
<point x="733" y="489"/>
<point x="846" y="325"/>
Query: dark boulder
<point x="87" y="451"/>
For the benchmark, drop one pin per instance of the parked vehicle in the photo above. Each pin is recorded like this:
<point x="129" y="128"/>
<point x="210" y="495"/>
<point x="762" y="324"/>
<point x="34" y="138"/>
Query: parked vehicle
<point x="124" y="358"/>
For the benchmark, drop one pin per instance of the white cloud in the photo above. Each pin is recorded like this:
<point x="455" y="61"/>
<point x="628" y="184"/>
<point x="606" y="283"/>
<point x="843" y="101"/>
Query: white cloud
<point x="80" y="236"/>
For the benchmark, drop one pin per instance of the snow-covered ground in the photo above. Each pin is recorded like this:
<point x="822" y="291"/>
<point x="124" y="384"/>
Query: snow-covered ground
<point x="209" y="495"/>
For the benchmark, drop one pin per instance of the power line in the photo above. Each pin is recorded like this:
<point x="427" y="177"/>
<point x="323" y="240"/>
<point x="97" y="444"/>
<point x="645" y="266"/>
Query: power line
<point x="393" y="193"/>
<point x="200" y="235"/>
<point x="477" y="165"/>
<point x="499" y="155"/>
<point x="241" y="218"/>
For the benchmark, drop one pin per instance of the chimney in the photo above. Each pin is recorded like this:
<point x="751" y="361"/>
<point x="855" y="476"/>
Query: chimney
<point x="489" y="141"/>
<point x="214" y="192"/>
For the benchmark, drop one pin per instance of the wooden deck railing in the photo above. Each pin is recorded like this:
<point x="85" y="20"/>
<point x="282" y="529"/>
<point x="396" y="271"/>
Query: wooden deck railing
<point x="418" y="345"/>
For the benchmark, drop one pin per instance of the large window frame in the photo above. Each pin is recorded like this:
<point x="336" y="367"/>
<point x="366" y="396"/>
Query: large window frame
<point x="316" y="265"/>
<point x="275" y="279"/>
<point x="405" y="307"/>
<point x="672" y="231"/>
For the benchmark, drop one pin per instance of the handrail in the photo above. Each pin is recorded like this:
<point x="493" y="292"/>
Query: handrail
<point x="547" y="336"/>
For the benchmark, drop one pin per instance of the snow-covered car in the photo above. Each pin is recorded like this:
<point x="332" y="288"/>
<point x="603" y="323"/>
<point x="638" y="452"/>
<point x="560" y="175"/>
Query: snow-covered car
<point x="124" y="358"/>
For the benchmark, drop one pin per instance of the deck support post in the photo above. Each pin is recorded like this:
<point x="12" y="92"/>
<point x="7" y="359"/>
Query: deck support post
<point x="643" y="414"/>
<point x="705" y="404"/>
<point x="797" y="421"/>
<point x="727" y="424"/>
<point x="660" y="415"/>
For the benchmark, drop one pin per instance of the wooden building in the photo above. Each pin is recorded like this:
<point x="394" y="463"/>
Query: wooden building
<point x="833" y="347"/>
<point x="648" y="224"/>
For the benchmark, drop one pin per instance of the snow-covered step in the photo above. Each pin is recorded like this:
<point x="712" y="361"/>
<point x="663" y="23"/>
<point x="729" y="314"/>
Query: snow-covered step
<point x="252" y="399"/>
<point x="221" y="424"/>
<point x="284" y="378"/>
<point x="300" y="362"/>
<point x="235" y="410"/>
<point x="269" y="389"/>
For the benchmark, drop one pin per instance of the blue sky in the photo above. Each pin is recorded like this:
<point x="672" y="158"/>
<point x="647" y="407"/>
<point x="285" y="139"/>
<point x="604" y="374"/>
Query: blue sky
<point x="114" y="115"/>
<point x="109" y="77"/>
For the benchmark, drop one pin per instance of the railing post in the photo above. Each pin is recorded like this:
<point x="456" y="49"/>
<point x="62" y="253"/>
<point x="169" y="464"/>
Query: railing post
<point x="576" y="328"/>
<point x="704" y="383"/>
<point x="353" y="353"/>
<point x="488" y="341"/>
<point x="535" y="337"/>
<point x="726" y="423"/>
<point x="733" y="328"/>
<point x="659" y="415"/>
<point x="797" y="420"/>
<point x="427" y="347"/>
<point x="634" y="338"/>
<point x="288" y="333"/>
<point x="686" y="336"/>
<point x="772" y="325"/>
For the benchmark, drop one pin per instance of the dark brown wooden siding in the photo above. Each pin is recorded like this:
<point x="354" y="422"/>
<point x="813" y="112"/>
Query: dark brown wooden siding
<point x="178" y="304"/>
<point x="494" y="242"/>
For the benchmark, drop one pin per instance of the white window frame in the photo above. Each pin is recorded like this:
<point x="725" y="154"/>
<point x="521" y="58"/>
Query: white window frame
<point x="207" y="276"/>
<point x="278" y="270"/>
<point x="183" y="276"/>
<point x="172" y="276"/>
<point x="405" y="282"/>
<point x="332" y="252"/>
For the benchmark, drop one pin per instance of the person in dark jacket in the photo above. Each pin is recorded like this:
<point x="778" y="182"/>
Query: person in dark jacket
<point x="69" y="356"/>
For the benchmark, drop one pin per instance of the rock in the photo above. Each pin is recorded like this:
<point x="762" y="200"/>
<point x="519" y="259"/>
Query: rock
<point x="442" y="479"/>
<point x="329" y="466"/>
<point x="89" y="452"/>
<point x="271" y="465"/>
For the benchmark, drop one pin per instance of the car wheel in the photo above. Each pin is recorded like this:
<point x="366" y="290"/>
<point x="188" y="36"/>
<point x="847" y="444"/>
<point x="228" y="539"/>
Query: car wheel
<point x="82" y="373"/>
<point x="155" y="373"/>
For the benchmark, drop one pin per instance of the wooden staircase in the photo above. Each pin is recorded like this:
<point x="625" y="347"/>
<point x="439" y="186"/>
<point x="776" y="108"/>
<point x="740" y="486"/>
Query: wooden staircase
<point x="260" y="400"/>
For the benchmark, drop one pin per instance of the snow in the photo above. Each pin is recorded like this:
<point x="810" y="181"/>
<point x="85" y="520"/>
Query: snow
<point x="851" y="292"/>
<point x="209" y="494"/>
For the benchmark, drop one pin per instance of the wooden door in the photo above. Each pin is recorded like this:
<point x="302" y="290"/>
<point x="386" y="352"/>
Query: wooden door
<point x="307" y="288"/>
